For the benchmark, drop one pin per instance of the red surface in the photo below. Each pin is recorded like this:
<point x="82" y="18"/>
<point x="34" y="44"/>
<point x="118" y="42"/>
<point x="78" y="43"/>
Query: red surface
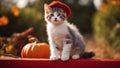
<point x="45" y="63"/>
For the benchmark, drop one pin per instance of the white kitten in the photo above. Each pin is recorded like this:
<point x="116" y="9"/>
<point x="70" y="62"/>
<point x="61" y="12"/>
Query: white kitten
<point x="63" y="36"/>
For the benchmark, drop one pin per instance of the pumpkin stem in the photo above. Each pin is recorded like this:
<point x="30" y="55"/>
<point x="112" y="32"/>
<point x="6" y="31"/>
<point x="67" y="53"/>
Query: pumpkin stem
<point x="33" y="40"/>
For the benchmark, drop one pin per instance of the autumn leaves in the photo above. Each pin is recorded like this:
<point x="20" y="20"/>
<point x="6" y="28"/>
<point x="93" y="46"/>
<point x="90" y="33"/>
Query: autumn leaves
<point x="15" y="10"/>
<point x="4" y="20"/>
<point x="104" y="6"/>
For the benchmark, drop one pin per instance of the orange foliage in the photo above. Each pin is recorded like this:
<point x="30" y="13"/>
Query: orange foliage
<point x="15" y="10"/>
<point x="114" y="2"/>
<point x="103" y="7"/>
<point x="3" y="21"/>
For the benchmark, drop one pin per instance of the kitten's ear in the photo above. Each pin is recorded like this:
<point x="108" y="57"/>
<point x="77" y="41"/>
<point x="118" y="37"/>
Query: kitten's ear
<point x="46" y="8"/>
<point x="45" y="5"/>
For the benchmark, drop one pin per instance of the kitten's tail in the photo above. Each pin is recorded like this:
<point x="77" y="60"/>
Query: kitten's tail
<point x="87" y="54"/>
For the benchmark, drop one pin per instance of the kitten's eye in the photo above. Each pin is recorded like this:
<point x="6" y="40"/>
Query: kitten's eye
<point x="58" y="14"/>
<point x="51" y="14"/>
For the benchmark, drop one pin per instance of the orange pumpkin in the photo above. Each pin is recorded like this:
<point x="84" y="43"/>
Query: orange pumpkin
<point x="36" y="50"/>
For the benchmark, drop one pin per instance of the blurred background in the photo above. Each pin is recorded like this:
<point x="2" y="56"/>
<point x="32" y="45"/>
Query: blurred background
<point x="97" y="20"/>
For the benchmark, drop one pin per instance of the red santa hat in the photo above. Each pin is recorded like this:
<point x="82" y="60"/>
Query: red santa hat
<point x="61" y="5"/>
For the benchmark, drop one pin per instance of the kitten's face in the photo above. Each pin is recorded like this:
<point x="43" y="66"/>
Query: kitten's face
<point x="54" y="15"/>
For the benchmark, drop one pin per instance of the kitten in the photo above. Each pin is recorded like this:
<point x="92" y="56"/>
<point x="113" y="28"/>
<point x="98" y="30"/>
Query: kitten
<point x="63" y="36"/>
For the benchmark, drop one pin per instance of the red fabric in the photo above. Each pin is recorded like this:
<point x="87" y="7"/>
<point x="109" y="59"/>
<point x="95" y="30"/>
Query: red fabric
<point x="46" y="63"/>
<point x="61" y="5"/>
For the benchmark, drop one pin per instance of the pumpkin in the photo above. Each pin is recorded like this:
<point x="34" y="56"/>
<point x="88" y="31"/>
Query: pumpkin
<point x="35" y="50"/>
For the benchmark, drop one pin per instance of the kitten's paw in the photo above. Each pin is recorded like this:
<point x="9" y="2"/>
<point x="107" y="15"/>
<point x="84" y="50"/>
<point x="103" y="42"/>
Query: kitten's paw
<point x="65" y="58"/>
<point x="53" y="58"/>
<point x="75" y="56"/>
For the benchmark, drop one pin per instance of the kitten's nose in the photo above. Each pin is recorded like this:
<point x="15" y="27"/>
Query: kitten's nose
<point x="55" y="19"/>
